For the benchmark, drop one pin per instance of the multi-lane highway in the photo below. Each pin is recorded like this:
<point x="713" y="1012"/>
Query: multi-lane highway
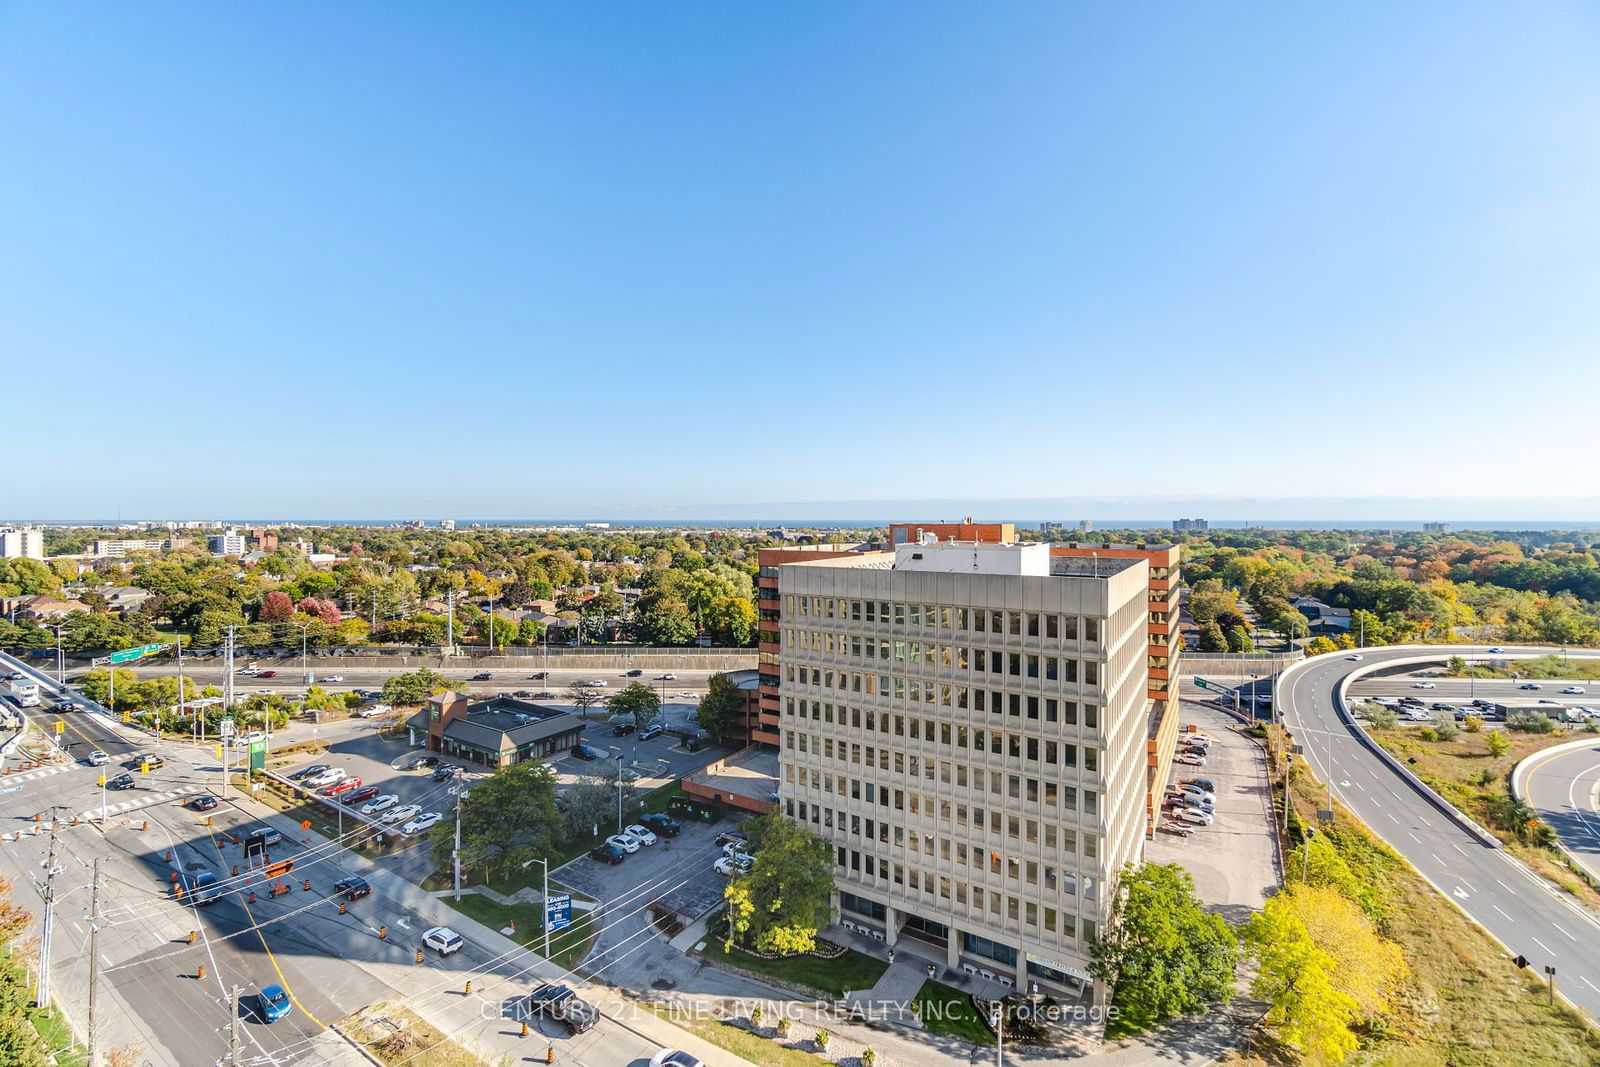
<point x="1523" y="912"/>
<point x="1565" y="790"/>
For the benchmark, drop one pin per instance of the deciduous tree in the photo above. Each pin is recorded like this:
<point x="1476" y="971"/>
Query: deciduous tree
<point x="640" y="701"/>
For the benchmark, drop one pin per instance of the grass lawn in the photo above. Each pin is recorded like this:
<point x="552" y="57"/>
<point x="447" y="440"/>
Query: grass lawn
<point x="737" y="1040"/>
<point x="946" y="1010"/>
<point x="1464" y="773"/>
<point x="394" y="1034"/>
<point x="853" y="970"/>
<point x="1466" y="1004"/>
<point x="567" y="948"/>
<point x="49" y="1025"/>
<point x="1538" y="667"/>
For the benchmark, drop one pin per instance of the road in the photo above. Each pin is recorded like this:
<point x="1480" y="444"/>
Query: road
<point x="1565" y="790"/>
<point x="152" y="993"/>
<point x="1522" y="911"/>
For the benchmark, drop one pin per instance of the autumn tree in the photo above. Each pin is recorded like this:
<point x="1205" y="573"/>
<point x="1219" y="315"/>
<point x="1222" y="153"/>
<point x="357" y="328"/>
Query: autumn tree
<point x="275" y="607"/>
<point x="781" y="903"/>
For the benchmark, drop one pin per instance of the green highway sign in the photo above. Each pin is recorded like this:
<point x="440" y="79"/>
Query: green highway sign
<point x="1202" y="683"/>
<point x="129" y="654"/>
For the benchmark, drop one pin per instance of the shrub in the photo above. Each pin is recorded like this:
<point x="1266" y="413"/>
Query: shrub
<point x="755" y="1017"/>
<point x="1378" y="715"/>
<point x="1445" y="726"/>
<point x="783" y="1026"/>
<point x="869" y="1056"/>
<point x="822" y="1039"/>
<point x="1530" y="722"/>
<point x="1497" y="743"/>
<point x="1472" y="724"/>
<point x="1428" y="733"/>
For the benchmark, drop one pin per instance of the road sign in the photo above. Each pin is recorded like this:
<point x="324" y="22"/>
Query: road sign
<point x="225" y="728"/>
<point x="127" y="655"/>
<point x="1202" y="683"/>
<point x="558" y="911"/>
<point x="258" y="755"/>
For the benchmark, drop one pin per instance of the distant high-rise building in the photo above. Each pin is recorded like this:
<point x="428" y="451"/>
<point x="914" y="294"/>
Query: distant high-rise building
<point x="1085" y="525"/>
<point x="229" y="542"/>
<point x="21" y="542"/>
<point x="1190" y="525"/>
<point x="1050" y="527"/>
<point x="447" y="524"/>
<point x="1435" y="527"/>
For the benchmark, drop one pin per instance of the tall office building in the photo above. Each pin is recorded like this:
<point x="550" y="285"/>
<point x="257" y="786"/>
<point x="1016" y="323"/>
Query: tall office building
<point x="229" y="542"/>
<point x="1190" y="525"/>
<point x="965" y="723"/>
<point x="21" y="542"/>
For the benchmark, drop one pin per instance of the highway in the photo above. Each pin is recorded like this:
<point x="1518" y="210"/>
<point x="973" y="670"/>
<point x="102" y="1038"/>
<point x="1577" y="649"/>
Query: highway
<point x="1565" y="790"/>
<point x="1519" y="909"/>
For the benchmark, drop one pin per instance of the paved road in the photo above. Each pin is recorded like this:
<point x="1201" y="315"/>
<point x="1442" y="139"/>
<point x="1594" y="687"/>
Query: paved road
<point x="1522" y="911"/>
<point x="1565" y="790"/>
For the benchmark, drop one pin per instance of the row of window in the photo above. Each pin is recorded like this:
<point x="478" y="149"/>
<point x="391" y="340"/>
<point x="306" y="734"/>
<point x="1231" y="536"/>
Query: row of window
<point x="950" y="893"/>
<point x="1060" y="841"/>
<point x="1041" y="752"/>
<point x="941" y="694"/>
<point x="941" y="617"/>
<point x="911" y="655"/>
<point x="1048" y="792"/>
<point x="1019" y="706"/>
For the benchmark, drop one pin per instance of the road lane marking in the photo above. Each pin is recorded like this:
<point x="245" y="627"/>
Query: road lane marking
<point x="1414" y="837"/>
<point x="1562" y="932"/>
<point x="1496" y="907"/>
<point x="1468" y="884"/>
<point x="1588" y="983"/>
<point x="1542" y="945"/>
<point x="1458" y="848"/>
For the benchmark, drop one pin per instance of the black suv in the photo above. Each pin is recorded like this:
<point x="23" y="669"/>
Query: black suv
<point x="121" y="781"/>
<point x="445" y="773"/>
<point x="623" y="729"/>
<point x="584" y="752"/>
<point x="352" y="888"/>
<point x="661" y="823"/>
<point x="481" y="676"/>
<point x="561" y="1003"/>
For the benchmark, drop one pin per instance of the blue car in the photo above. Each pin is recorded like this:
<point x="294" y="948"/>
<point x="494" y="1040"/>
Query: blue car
<point x="274" y="1003"/>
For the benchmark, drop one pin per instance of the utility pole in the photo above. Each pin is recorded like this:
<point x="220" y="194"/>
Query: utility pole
<point x="94" y="965"/>
<point x="455" y="855"/>
<point x="227" y="680"/>
<point x="43" y="998"/>
<point x="546" y="863"/>
<point x="179" y="643"/>
<point x="233" y="1028"/>
<point x="450" y="621"/>
<point x="61" y="663"/>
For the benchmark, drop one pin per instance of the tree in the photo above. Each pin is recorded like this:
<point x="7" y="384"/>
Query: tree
<point x="1161" y="952"/>
<point x="1497" y="743"/>
<point x="720" y="707"/>
<point x="588" y="803"/>
<point x="275" y="607"/>
<point x="781" y="903"/>
<point x="1294" y="977"/>
<point x="1212" y="639"/>
<point x="640" y="701"/>
<point x="530" y="632"/>
<point x="583" y="695"/>
<point x="1205" y="607"/>
<point x="415" y="687"/>
<point x="731" y="621"/>
<point x="1238" y="639"/>
<point x="506" y="819"/>
<point x="96" y="685"/>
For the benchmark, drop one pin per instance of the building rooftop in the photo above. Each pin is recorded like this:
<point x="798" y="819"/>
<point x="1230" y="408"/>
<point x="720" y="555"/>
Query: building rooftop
<point x="490" y="724"/>
<point x="752" y="772"/>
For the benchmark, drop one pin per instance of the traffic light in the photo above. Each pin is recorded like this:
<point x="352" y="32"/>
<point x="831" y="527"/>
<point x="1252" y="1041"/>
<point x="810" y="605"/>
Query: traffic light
<point x="61" y="727"/>
<point x="102" y="780"/>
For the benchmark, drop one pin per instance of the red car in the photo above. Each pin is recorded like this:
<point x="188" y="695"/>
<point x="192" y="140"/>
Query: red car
<point x="341" y="787"/>
<point x="362" y="795"/>
<point x="267" y="674"/>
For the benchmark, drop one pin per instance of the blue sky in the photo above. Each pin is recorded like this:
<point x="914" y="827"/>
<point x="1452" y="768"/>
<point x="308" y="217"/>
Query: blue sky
<point x="539" y="259"/>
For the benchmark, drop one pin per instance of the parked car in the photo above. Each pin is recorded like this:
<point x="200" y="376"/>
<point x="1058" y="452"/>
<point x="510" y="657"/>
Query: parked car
<point x="584" y="752"/>
<point x="562" y="1004"/>
<point x="663" y="824"/>
<point x="327" y="777"/>
<point x="442" y="940"/>
<point x="422" y="763"/>
<point x="352" y="888"/>
<point x="653" y="730"/>
<point x="1193" y="759"/>
<point x="361" y="796"/>
<point x="641" y="834"/>
<point x="1195" y="815"/>
<point x="388" y="800"/>
<point x="421" y="823"/>
<point x="623" y="729"/>
<point x="274" y="1003"/>
<point x="307" y="772"/>
<point x="728" y="866"/>
<point x="265" y="834"/>
<point x="344" y="785"/>
<point x="626" y="842"/>
<point x="1440" y="705"/>
<point x="204" y="802"/>
<point x="606" y="852"/>
<point x="1204" y="783"/>
<point x="372" y="711"/>
<point x="404" y="814"/>
<point x="1423" y="685"/>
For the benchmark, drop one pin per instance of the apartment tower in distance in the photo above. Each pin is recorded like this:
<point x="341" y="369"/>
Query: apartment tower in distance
<point x="965" y="722"/>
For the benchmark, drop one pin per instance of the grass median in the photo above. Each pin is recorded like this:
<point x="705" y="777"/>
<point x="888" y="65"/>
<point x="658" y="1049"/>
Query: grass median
<point x="568" y="947"/>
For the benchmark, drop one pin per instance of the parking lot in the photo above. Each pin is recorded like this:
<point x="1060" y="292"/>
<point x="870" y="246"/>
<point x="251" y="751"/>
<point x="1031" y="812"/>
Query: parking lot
<point x="676" y="870"/>
<point x="1234" y="860"/>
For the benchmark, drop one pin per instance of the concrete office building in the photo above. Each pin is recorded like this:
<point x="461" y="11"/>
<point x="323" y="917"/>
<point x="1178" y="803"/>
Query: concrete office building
<point x="21" y="542"/>
<point x="229" y="542"/>
<point x="1190" y="525"/>
<point x="965" y="723"/>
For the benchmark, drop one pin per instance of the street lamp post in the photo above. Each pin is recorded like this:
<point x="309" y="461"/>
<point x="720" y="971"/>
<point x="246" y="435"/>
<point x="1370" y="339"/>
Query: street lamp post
<point x="619" y="792"/>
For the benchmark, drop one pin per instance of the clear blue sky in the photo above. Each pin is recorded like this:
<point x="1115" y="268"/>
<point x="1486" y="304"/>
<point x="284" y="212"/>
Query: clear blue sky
<point x="535" y="259"/>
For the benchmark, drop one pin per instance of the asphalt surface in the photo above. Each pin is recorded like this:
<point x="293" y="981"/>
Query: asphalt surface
<point x="1565" y="790"/>
<point x="1521" y="910"/>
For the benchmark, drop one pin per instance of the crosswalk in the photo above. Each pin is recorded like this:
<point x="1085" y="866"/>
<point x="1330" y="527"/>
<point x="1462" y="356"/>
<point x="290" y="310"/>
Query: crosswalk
<point x="42" y="772"/>
<point x="140" y="802"/>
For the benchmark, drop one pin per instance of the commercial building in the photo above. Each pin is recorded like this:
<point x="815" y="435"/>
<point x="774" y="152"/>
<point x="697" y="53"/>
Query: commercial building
<point x="116" y="549"/>
<point x="229" y="542"/>
<point x="965" y="722"/>
<point x="21" y="542"/>
<point x="498" y="732"/>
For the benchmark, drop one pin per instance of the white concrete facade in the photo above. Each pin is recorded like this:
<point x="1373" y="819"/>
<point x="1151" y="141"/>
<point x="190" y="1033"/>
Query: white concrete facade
<point x="972" y="744"/>
<point x="21" y="542"/>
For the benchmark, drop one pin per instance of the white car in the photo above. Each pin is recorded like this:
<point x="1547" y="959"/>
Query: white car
<point x="1354" y="657"/>
<point x="442" y="940"/>
<point x="685" y="693"/>
<point x="246" y="740"/>
<point x="421" y="823"/>
<point x="1195" y="815"/>
<point x="1193" y="759"/>
<point x="377" y="804"/>
<point x="1423" y="685"/>
<point x="626" y="842"/>
<point x="671" y="1057"/>
<point x="1573" y="690"/>
<point x="372" y="711"/>
<point x="248" y="672"/>
<point x="728" y="866"/>
<point x="98" y="758"/>
<point x="333" y="678"/>
<point x="598" y="683"/>
<point x="645" y="836"/>
<point x="402" y="814"/>
<point x="668" y="677"/>
<point x="327" y="777"/>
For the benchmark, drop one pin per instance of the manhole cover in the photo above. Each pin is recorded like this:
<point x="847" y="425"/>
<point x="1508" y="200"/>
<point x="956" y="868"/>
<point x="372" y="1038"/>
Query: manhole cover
<point x="663" y="983"/>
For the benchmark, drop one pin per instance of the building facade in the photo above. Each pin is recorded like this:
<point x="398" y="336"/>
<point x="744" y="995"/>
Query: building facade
<point x="965" y="723"/>
<point x="765" y="730"/>
<point x="21" y="542"/>
<point x="1190" y="525"/>
<point x="228" y="543"/>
